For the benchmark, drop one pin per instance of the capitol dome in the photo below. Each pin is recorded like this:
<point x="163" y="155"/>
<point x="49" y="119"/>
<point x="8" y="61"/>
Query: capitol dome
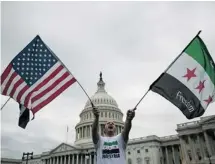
<point x="108" y="109"/>
<point x="101" y="97"/>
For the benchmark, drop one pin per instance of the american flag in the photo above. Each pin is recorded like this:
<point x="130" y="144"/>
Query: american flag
<point x="35" y="76"/>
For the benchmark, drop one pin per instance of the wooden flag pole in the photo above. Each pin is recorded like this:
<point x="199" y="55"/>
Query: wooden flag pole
<point x="5" y="103"/>
<point x="71" y="74"/>
<point x="167" y="68"/>
<point x="141" y="99"/>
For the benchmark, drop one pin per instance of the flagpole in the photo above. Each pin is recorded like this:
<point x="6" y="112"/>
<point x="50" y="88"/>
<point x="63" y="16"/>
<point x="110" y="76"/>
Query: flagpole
<point x="5" y="103"/>
<point x="67" y="129"/>
<point x="167" y="68"/>
<point x="141" y="99"/>
<point x="71" y="74"/>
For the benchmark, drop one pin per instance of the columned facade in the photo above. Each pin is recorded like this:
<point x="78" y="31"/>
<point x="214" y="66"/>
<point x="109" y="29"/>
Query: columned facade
<point x="197" y="140"/>
<point x="69" y="159"/>
<point x="194" y="142"/>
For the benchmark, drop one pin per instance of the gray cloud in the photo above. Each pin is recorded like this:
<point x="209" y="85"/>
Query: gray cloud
<point x="131" y="42"/>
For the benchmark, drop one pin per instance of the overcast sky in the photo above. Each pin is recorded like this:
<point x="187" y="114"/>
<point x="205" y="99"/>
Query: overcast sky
<point x="130" y="42"/>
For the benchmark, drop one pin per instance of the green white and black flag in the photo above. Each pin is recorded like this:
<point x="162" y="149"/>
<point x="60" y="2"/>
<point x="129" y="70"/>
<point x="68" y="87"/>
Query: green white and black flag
<point x="189" y="83"/>
<point x="24" y="116"/>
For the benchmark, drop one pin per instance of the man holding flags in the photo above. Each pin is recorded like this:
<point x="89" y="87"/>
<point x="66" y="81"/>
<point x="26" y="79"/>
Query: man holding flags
<point x="110" y="149"/>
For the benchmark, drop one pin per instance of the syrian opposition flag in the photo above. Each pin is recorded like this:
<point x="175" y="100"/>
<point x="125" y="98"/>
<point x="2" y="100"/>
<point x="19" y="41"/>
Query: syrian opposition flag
<point x="189" y="83"/>
<point x="24" y="116"/>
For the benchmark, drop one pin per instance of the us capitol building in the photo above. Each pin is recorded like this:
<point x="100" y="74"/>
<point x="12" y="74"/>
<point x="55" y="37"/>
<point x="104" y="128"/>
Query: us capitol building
<point x="194" y="142"/>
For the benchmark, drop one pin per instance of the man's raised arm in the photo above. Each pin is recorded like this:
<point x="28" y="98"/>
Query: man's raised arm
<point x="95" y="134"/>
<point x="128" y="124"/>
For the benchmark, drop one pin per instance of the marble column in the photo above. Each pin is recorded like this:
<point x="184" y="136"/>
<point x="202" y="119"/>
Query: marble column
<point x="163" y="154"/>
<point x="90" y="158"/>
<point x="192" y="148"/>
<point x="81" y="158"/>
<point x="94" y="160"/>
<point x="167" y="155"/>
<point x="208" y="143"/>
<point x="65" y="159"/>
<point x="61" y="159"/>
<point x="180" y="154"/>
<point x="69" y="156"/>
<point x="84" y="131"/>
<point x="201" y="147"/>
<point x="184" y="150"/>
<point x="73" y="158"/>
<point x="77" y="160"/>
<point x="57" y="160"/>
<point x="173" y="153"/>
<point x="90" y="131"/>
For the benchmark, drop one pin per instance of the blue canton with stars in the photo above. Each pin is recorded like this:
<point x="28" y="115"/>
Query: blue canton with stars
<point x="33" y="61"/>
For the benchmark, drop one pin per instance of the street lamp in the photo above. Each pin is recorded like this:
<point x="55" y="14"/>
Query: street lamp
<point x="28" y="156"/>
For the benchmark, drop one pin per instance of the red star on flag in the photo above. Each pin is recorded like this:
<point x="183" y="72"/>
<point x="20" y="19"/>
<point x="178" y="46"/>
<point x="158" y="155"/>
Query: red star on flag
<point x="209" y="100"/>
<point x="190" y="74"/>
<point x="201" y="86"/>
